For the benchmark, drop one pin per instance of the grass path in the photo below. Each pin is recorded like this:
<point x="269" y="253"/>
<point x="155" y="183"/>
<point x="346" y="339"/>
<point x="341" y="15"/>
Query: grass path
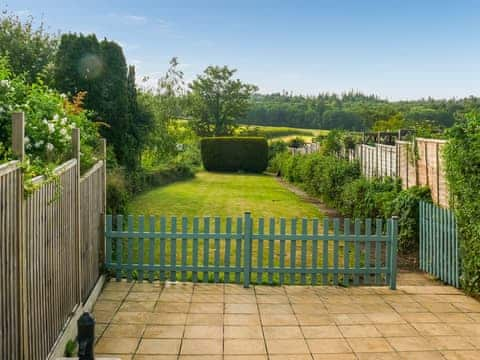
<point x="221" y="194"/>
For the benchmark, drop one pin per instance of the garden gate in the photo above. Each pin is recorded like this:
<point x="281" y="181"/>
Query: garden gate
<point x="364" y="252"/>
<point x="439" y="243"/>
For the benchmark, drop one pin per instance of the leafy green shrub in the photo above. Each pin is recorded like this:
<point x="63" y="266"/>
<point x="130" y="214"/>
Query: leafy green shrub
<point x="462" y="159"/>
<point x="276" y="147"/>
<point x="50" y="118"/>
<point x="406" y="207"/>
<point x="364" y="198"/>
<point x="118" y="193"/>
<point x="234" y="154"/>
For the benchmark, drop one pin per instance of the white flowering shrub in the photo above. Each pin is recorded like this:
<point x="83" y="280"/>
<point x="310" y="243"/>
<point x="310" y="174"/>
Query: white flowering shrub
<point x="49" y="120"/>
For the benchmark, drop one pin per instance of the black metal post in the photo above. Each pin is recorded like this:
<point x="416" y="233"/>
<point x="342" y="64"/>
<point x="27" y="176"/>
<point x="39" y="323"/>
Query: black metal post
<point x="86" y="337"/>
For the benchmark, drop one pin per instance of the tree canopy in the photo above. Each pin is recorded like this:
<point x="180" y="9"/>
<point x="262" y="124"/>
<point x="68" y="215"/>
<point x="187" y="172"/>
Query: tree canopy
<point x="217" y="101"/>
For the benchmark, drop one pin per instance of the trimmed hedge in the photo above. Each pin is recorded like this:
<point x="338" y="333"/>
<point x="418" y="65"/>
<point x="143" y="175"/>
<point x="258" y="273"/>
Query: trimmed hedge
<point x="248" y="154"/>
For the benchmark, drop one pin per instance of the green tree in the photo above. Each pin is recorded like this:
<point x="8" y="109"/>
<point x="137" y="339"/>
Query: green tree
<point x="30" y="50"/>
<point x="217" y="101"/>
<point x="83" y="63"/>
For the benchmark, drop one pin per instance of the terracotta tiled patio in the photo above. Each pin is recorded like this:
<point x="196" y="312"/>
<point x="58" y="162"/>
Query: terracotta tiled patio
<point x="421" y="320"/>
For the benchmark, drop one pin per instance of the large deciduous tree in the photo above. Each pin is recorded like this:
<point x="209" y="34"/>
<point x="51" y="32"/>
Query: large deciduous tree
<point x="217" y="101"/>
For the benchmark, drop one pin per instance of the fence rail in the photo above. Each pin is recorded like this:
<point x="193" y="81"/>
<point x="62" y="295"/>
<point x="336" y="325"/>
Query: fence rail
<point x="241" y="250"/>
<point x="439" y="254"/>
<point x="49" y="259"/>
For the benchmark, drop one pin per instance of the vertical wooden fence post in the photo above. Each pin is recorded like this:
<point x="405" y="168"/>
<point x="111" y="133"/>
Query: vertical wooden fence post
<point x="103" y="148"/>
<point x="78" y="239"/>
<point x="18" y="147"/>
<point x="247" y="254"/>
<point x="394" y="252"/>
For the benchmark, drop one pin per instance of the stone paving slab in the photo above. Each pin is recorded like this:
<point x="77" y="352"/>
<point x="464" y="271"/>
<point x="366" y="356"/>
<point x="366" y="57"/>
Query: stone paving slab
<point x="421" y="320"/>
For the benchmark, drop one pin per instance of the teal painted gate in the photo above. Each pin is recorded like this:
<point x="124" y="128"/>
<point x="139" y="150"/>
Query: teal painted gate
<point x="438" y="250"/>
<point x="245" y="251"/>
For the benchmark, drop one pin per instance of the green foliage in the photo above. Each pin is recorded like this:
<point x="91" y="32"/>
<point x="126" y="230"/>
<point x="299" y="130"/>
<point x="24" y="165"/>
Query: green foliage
<point x="70" y="348"/>
<point x="276" y="147"/>
<point x="369" y="198"/>
<point x="217" y="101"/>
<point x="30" y="49"/>
<point x="406" y="207"/>
<point x="83" y="63"/>
<point x="50" y="118"/>
<point x="248" y="154"/>
<point x="339" y="184"/>
<point x="271" y="132"/>
<point x="462" y="160"/>
<point x="352" y="111"/>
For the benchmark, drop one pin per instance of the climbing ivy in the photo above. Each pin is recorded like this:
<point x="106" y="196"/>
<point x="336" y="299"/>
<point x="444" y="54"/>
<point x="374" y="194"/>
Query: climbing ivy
<point x="462" y="160"/>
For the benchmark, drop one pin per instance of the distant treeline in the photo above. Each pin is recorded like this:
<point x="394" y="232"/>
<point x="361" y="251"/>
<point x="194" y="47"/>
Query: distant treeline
<point x="353" y="111"/>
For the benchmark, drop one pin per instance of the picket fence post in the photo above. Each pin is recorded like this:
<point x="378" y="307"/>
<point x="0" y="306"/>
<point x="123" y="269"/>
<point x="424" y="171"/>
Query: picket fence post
<point x="78" y="239"/>
<point x="18" y="147"/>
<point x="394" y="252"/>
<point x="247" y="253"/>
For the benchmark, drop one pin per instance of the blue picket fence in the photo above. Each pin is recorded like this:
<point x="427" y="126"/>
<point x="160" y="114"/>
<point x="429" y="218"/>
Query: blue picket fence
<point x="242" y="250"/>
<point x="438" y="251"/>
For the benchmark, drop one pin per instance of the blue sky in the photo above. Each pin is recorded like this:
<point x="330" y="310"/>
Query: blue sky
<point x="397" y="49"/>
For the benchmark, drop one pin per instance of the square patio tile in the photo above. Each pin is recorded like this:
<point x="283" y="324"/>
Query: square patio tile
<point x="375" y="345"/>
<point x="164" y="332"/>
<point x="201" y="347"/>
<point x="284" y="346"/>
<point x="275" y="309"/>
<point x="315" y="319"/>
<point x="328" y="346"/>
<point x="243" y="332"/>
<point x="240" y="299"/>
<point x="116" y="345"/>
<point x="433" y="329"/>
<point x="159" y="346"/>
<point x="318" y="309"/>
<point x="205" y="319"/>
<point x="206" y="308"/>
<point x="138" y="306"/>
<point x="420" y="317"/>
<point x="282" y="332"/>
<point x="166" y="319"/>
<point x="450" y="343"/>
<point x="244" y="347"/>
<point x="172" y="307"/>
<point x="321" y="332"/>
<point x="359" y="331"/>
<point x="393" y="330"/>
<point x="350" y="356"/>
<point x="130" y="317"/>
<point x="408" y="343"/>
<point x="203" y="332"/>
<point x="241" y="319"/>
<point x="244" y="308"/>
<point x="278" y="319"/>
<point x="124" y="331"/>
<point x="272" y="299"/>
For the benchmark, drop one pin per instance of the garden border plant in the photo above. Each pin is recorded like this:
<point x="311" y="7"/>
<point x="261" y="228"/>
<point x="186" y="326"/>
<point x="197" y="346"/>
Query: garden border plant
<point x="462" y="163"/>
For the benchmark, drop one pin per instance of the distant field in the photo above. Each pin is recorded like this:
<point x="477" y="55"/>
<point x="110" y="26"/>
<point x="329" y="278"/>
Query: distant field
<point x="275" y="132"/>
<point x="282" y="132"/>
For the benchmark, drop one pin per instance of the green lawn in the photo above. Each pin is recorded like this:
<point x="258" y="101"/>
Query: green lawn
<point x="220" y="194"/>
<point x="224" y="195"/>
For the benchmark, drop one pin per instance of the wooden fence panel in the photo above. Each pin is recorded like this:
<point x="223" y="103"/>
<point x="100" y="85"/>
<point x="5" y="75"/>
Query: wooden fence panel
<point x="423" y="165"/>
<point x="52" y="256"/>
<point x="91" y="226"/>
<point x="10" y="326"/>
